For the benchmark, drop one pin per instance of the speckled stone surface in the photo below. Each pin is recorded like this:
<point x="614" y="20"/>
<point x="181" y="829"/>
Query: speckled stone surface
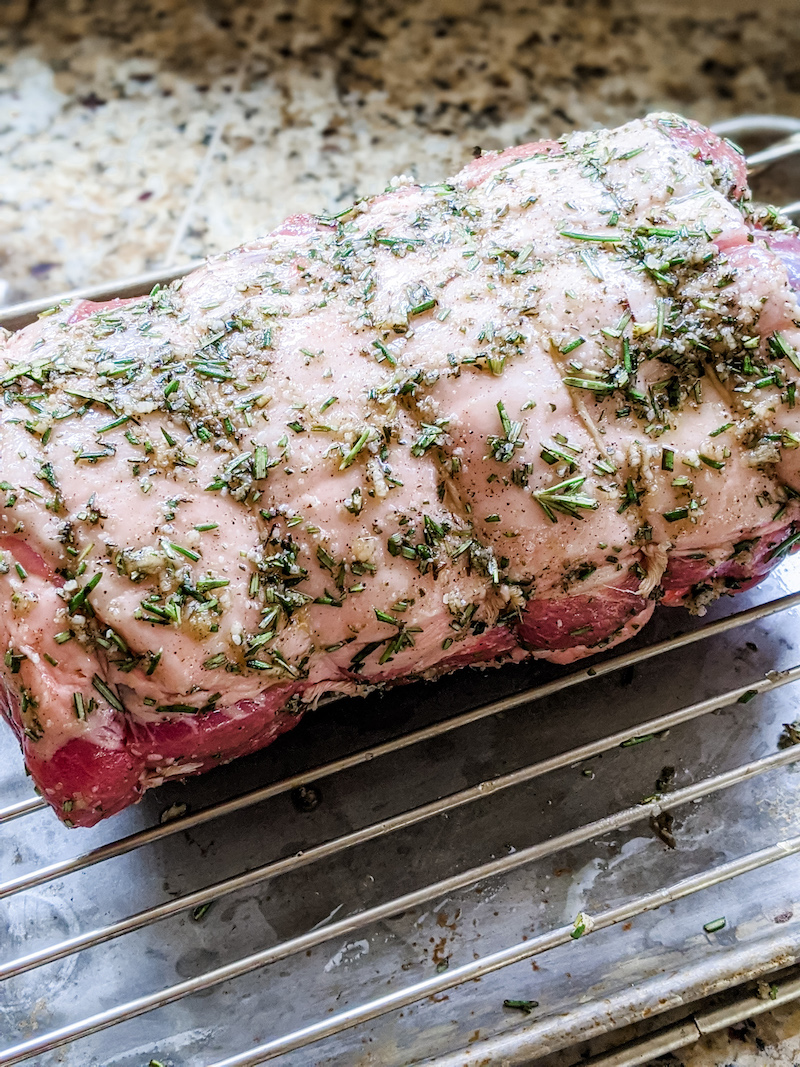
<point x="768" y="1040"/>
<point x="139" y="133"/>
<point x="772" y="1039"/>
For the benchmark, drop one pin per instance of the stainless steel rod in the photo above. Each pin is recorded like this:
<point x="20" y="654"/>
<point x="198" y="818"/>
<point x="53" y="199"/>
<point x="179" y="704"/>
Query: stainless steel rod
<point x="649" y="1048"/>
<point x="767" y="156"/>
<point x="785" y="124"/>
<point x="619" y="820"/>
<point x="15" y="316"/>
<point x="505" y="957"/>
<point x="626" y="659"/>
<point x="24" y="807"/>
<point x="715" y="1019"/>
<point x="688" y="1032"/>
<point x="386" y="826"/>
<point x="720" y="968"/>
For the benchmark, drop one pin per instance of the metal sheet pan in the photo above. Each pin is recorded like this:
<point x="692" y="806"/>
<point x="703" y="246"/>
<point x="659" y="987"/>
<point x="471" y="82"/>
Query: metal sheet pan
<point x="649" y="962"/>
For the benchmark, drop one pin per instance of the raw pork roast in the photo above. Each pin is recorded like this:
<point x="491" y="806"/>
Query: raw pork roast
<point x="465" y="423"/>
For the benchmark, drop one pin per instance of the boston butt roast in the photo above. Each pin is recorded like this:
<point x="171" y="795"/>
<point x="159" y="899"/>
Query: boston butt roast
<point x="466" y="423"/>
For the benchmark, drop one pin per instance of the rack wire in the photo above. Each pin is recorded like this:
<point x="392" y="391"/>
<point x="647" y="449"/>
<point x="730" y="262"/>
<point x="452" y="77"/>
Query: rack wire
<point x="692" y="678"/>
<point x="372" y="1008"/>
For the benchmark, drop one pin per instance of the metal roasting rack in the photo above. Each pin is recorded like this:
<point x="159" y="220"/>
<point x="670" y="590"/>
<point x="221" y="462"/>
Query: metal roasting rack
<point x="418" y="859"/>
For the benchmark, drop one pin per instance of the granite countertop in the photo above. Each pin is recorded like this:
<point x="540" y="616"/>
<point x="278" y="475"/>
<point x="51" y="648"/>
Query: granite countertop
<point x="142" y="133"/>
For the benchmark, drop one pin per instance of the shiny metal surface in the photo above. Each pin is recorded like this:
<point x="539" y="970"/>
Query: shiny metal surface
<point x="15" y="316"/>
<point x="329" y="870"/>
<point x="683" y="1034"/>
<point x="750" y="125"/>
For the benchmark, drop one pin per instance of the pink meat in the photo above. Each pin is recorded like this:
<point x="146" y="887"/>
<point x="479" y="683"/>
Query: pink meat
<point x="581" y="621"/>
<point x="461" y="424"/>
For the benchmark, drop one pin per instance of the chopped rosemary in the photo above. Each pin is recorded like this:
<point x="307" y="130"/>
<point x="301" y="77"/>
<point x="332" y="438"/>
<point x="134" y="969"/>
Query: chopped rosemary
<point x="121" y="420"/>
<point x="79" y="598"/>
<point x="715" y="925"/>
<point x="570" y="346"/>
<point x="204" y="585"/>
<point x="503" y="448"/>
<point x="599" y="238"/>
<point x="676" y="514"/>
<point x="521" y="1005"/>
<point x="632" y="496"/>
<point x="189" y="553"/>
<point x="662" y="307"/>
<point x="721" y="429"/>
<point x="355" y="502"/>
<point x="13" y="660"/>
<point x="632" y="741"/>
<point x="709" y="461"/>
<point x="348" y="457"/>
<point x="384" y="353"/>
<point x="786" y="546"/>
<point x="565" y="498"/>
<point x="106" y="693"/>
<point x="591" y="384"/>
<point x="430" y="435"/>
<point x="219" y="659"/>
<point x="261" y="463"/>
<point x="780" y="348"/>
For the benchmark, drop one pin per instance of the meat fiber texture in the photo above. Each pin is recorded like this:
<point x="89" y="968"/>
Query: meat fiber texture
<point x="465" y="423"/>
